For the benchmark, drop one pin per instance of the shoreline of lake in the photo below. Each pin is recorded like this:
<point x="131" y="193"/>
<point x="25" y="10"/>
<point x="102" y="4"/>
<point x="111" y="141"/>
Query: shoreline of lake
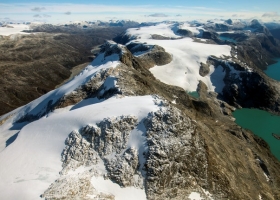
<point x="262" y="124"/>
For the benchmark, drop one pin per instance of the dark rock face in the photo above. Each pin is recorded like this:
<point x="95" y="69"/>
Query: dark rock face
<point x="255" y="24"/>
<point x="185" y="32"/>
<point x="221" y="27"/>
<point x="229" y="21"/>
<point x="204" y="69"/>
<point x="209" y="35"/>
<point x="248" y="89"/>
<point x="259" y="50"/>
<point x="275" y="33"/>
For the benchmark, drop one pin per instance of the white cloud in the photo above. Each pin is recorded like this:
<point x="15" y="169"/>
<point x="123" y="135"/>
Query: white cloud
<point x="271" y="14"/>
<point x="158" y="15"/>
<point x="37" y="16"/>
<point x="45" y="15"/>
<point x="60" y="12"/>
<point x="38" y="9"/>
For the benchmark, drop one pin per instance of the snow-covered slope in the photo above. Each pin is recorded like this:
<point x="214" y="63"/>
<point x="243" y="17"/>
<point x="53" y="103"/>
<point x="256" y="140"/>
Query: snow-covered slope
<point x="187" y="55"/>
<point x="32" y="162"/>
<point x="13" y="29"/>
<point x="101" y="145"/>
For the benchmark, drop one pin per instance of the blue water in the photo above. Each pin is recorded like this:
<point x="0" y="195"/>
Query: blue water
<point x="194" y="94"/>
<point x="262" y="124"/>
<point x="227" y="38"/>
<point x="273" y="71"/>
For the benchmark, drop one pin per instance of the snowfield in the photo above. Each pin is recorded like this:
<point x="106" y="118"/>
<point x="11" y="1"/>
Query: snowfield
<point x="183" y="70"/>
<point x="15" y="29"/>
<point x="32" y="162"/>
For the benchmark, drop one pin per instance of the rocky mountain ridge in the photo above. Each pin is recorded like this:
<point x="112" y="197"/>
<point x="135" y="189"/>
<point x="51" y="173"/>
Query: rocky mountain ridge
<point x="185" y="146"/>
<point x="34" y="64"/>
<point x="116" y="131"/>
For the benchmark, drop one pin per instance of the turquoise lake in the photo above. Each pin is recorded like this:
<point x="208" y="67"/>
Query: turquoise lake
<point x="261" y="123"/>
<point x="227" y="38"/>
<point x="194" y="94"/>
<point x="273" y="70"/>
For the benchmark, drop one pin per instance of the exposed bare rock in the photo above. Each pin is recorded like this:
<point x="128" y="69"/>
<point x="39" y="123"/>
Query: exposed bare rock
<point x="177" y="159"/>
<point x="204" y="69"/>
<point x="75" y="187"/>
<point x="111" y="135"/>
<point x="136" y="47"/>
<point x="78" y="151"/>
<point x="89" y="147"/>
<point x="122" y="168"/>
<point x="159" y="37"/>
<point x="93" y="88"/>
<point x="157" y="56"/>
<point x="107" y="137"/>
<point x="184" y="32"/>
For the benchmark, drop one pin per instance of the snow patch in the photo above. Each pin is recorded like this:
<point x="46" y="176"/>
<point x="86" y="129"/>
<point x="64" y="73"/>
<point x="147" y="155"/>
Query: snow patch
<point x="146" y="32"/>
<point x="108" y="187"/>
<point x="195" y="196"/>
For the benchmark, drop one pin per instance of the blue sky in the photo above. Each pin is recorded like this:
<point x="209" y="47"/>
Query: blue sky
<point x="142" y="10"/>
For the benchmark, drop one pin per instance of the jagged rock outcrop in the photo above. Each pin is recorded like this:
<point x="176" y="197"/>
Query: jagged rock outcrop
<point x="122" y="169"/>
<point x="91" y="143"/>
<point x="95" y="87"/>
<point x="176" y="159"/>
<point x="94" y="146"/>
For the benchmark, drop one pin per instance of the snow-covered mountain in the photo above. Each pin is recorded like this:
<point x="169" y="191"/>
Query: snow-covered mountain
<point x="120" y="130"/>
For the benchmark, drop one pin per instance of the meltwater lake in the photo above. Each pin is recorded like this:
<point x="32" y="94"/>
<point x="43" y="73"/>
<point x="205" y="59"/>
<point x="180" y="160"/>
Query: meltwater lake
<point x="273" y="70"/>
<point x="227" y="38"/>
<point x="260" y="122"/>
<point x="194" y="94"/>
